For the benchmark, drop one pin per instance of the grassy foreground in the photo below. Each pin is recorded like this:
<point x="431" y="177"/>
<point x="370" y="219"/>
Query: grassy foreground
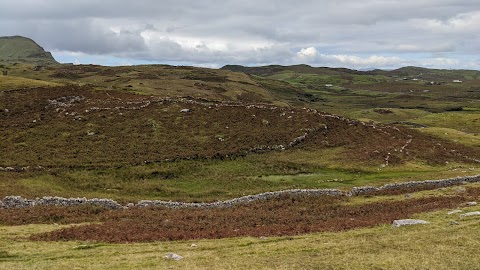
<point x="438" y="245"/>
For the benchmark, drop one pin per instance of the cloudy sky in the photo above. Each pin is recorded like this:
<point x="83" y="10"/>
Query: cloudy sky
<point x="358" y="34"/>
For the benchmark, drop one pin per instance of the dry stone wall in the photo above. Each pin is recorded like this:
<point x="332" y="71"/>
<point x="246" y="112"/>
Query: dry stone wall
<point x="20" y="202"/>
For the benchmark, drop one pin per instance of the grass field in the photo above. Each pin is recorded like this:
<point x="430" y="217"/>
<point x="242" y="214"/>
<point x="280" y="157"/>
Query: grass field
<point x="11" y="82"/>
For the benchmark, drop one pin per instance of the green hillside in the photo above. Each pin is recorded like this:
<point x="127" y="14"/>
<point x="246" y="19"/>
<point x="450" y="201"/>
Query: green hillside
<point x="17" y="49"/>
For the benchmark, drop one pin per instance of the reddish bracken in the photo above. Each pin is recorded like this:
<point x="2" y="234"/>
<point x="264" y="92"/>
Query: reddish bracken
<point x="276" y="217"/>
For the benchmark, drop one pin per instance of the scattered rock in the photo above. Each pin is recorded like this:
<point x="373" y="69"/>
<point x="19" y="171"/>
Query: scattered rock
<point x="185" y="110"/>
<point x="454" y="223"/>
<point x="193" y="245"/>
<point x="454" y="212"/>
<point x="65" y="101"/>
<point x="78" y="118"/>
<point x="470" y="214"/>
<point x="263" y="238"/>
<point x="471" y="203"/>
<point x="404" y="222"/>
<point x="173" y="256"/>
<point x="90" y="133"/>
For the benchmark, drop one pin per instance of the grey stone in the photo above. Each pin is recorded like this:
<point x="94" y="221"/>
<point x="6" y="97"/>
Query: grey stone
<point x="130" y="205"/>
<point x="454" y="212"/>
<point x="470" y="214"/>
<point x="173" y="256"/>
<point x="471" y="203"/>
<point x="185" y="110"/>
<point x="406" y="222"/>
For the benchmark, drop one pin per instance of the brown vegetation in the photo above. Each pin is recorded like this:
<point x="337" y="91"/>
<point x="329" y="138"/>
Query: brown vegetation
<point x="288" y="215"/>
<point x="75" y="125"/>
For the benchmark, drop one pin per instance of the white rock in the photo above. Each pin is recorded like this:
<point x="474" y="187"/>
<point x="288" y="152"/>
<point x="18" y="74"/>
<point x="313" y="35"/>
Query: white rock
<point x="403" y="222"/>
<point x="471" y="203"/>
<point x="173" y="256"/>
<point x="454" y="212"/>
<point x="193" y="245"/>
<point x="469" y="214"/>
<point x="185" y="110"/>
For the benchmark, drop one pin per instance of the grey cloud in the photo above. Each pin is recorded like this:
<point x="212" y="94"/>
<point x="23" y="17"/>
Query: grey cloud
<point x="247" y="32"/>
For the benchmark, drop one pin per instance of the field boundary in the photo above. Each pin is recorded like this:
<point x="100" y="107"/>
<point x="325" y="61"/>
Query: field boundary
<point x="20" y="202"/>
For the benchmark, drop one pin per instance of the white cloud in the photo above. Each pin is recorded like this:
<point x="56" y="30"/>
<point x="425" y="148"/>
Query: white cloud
<point x="350" y="33"/>
<point x="313" y="56"/>
<point x="309" y="52"/>
<point x="440" y="62"/>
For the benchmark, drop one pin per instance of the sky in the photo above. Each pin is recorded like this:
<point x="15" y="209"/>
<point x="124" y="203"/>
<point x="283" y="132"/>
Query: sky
<point x="357" y="34"/>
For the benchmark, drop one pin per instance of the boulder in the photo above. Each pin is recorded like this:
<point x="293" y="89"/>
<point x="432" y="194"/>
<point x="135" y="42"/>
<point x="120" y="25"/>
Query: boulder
<point x="469" y="214"/>
<point x="405" y="222"/>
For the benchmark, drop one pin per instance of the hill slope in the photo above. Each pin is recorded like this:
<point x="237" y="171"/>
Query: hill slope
<point x="17" y="49"/>
<point x="408" y="72"/>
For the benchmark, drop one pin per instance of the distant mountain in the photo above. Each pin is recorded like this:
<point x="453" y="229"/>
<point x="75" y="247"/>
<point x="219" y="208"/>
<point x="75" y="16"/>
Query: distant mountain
<point x="407" y="72"/>
<point x="18" y="49"/>
<point x="273" y="69"/>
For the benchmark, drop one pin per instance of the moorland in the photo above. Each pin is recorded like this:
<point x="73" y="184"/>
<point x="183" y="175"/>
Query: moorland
<point x="189" y="134"/>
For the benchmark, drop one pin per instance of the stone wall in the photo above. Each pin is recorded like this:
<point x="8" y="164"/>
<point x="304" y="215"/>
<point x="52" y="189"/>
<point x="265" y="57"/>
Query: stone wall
<point x="414" y="184"/>
<point x="20" y="202"/>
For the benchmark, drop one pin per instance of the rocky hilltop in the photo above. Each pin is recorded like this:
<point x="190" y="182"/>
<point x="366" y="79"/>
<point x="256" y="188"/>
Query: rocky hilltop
<point x="18" y="49"/>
